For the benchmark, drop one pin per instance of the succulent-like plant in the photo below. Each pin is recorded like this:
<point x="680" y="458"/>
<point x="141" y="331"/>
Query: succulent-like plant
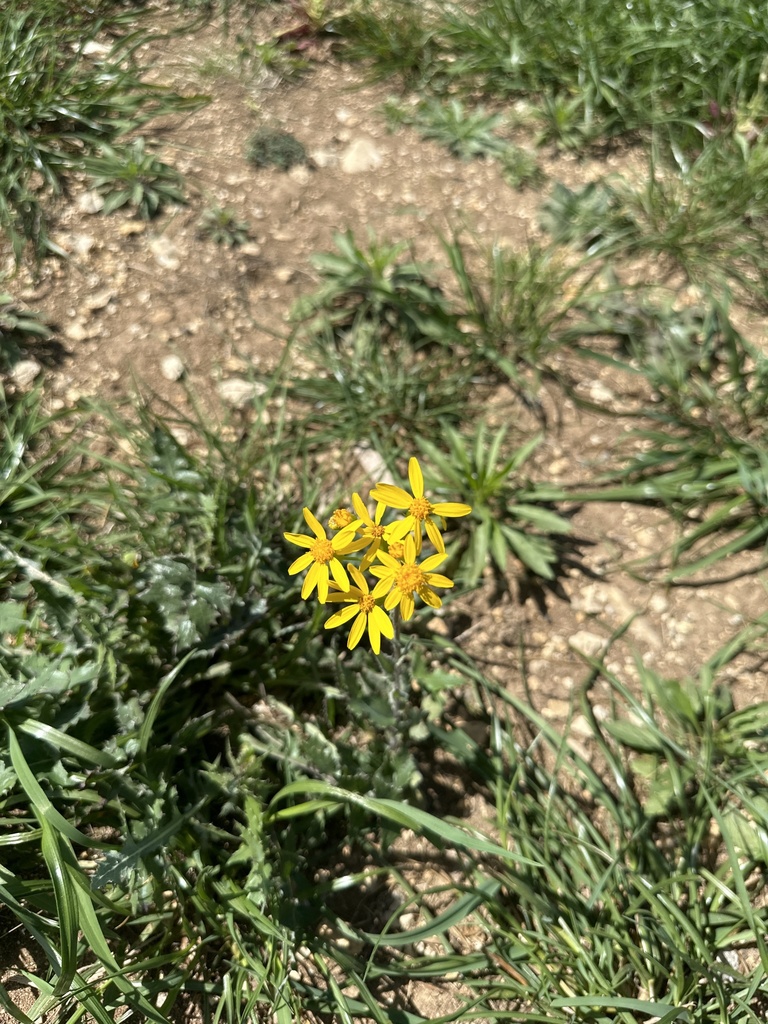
<point x="129" y="175"/>
<point x="222" y="226"/>
<point x="273" y="147"/>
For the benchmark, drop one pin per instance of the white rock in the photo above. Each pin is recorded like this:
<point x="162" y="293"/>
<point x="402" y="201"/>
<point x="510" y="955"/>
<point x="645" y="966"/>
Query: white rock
<point x="323" y="158"/>
<point x="76" y="332"/>
<point x="90" y="202"/>
<point x="166" y="253"/>
<point x="372" y="463"/>
<point x="24" y="372"/>
<point x="99" y="300"/>
<point x="587" y="643"/>
<point x="172" y="368"/>
<point x="94" y="49"/>
<point x="82" y="244"/>
<point x="360" y="156"/>
<point x="285" y="274"/>
<point x="238" y="392"/>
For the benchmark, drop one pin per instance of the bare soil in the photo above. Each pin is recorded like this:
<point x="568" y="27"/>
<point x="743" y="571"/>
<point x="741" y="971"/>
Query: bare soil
<point x="131" y="294"/>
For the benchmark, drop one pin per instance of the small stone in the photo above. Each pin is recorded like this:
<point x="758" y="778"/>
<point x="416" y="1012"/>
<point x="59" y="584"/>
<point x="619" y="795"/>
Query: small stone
<point x="99" y="300"/>
<point x="658" y="604"/>
<point x="90" y="202"/>
<point x="76" y="332"/>
<point x="299" y="173"/>
<point x="159" y="317"/>
<point x="598" y="392"/>
<point x="166" y="252"/>
<point x="360" y="156"/>
<point x="372" y="464"/>
<point x="172" y="368"/>
<point x="237" y="392"/>
<point x="285" y="274"/>
<point x="407" y="921"/>
<point x="249" y="249"/>
<point x="580" y="725"/>
<point x="642" y="630"/>
<point x="132" y="227"/>
<point x="82" y="244"/>
<point x="94" y="49"/>
<point x="323" y="158"/>
<point x="24" y="372"/>
<point x="587" y="643"/>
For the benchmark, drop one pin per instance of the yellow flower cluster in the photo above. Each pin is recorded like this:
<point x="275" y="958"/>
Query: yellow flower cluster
<point x="389" y="553"/>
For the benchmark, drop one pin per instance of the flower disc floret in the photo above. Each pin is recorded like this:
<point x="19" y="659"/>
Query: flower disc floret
<point x="420" y="510"/>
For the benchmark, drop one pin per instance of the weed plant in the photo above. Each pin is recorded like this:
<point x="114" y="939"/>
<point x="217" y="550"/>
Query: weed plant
<point x="639" y="889"/>
<point x="166" y="699"/>
<point x="130" y="176"/>
<point x="385" y="342"/>
<point x="600" y="69"/>
<point x="222" y="226"/>
<point x="508" y="519"/>
<point x="60" y="105"/>
<point x="709" y="221"/>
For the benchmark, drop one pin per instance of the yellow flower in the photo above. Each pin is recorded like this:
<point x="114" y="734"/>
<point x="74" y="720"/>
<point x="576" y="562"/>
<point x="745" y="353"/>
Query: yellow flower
<point x="401" y="580"/>
<point x="372" y="532"/>
<point x="369" y="614"/>
<point x="396" y="548"/>
<point x="420" y="509"/>
<point x="341" y="517"/>
<point x="321" y="558"/>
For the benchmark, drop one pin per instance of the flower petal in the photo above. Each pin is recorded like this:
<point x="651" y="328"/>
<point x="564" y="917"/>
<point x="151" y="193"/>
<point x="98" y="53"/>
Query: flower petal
<point x="434" y="579"/>
<point x="342" y="615"/>
<point x="383" y="622"/>
<point x="310" y="580"/>
<point x="451" y="509"/>
<point x="339" y="573"/>
<point x="434" y="535"/>
<point x="397" y="531"/>
<point x="382" y="587"/>
<point x="301" y="563"/>
<point x="317" y="528"/>
<point x="322" y="583"/>
<point x="374" y="633"/>
<point x="394" y="497"/>
<point x="360" y="580"/>
<point x="299" y="538"/>
<point x="429" y="597"/>
<point x="406" y="606"/>
<point x="358" y="628"/>
<point x="393" y="598"/>
<point x="416" y="478"/>
<point x="353" y="594"/>
<point x="410" y="550"/>
<point x="433" y="561"/>
<point x="386" y="559"/>
<point x="362" y="511"/>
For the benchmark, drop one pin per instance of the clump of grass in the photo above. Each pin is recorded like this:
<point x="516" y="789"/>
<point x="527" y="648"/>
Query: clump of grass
<point x="274" y="147"/>
<point x="638" y="888"/>
<point x="385" y="343"/>
<point x="59" y="106"/>
<point x="708" y="221"/>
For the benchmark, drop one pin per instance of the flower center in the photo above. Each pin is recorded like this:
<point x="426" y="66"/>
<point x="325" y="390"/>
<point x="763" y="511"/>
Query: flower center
<point x="397" y="549"/>
<point x="377" y="530"/>
<point x="341" y="517"/>
<point x="409" y="578"/>
<point x="366" y="603"/>
<point x="420" y="508"/>
<point x="322" y="551"/>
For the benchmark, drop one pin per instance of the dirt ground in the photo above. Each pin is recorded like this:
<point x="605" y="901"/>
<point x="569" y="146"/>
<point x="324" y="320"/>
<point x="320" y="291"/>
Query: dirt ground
<point x="132" y="294"/>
